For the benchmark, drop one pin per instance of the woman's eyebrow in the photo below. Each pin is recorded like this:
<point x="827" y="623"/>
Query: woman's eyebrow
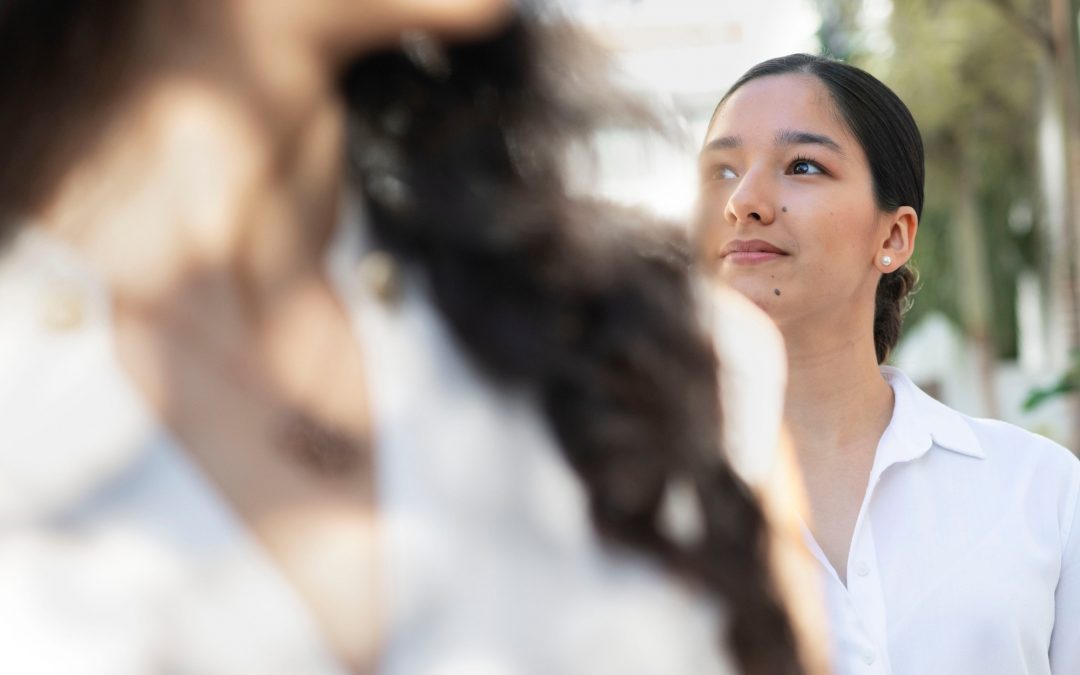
<point x="783" y="137"/>
<point x="795" y="137"/>
<point x="724" y="143"/>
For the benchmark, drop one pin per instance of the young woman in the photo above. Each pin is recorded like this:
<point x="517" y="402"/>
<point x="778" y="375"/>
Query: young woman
<point x="455" y="435"/>
<point x="951" y="545"/>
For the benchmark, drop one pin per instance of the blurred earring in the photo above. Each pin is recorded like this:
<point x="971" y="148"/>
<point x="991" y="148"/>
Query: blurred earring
<point x="425" y="53"/>
<point x="886" y="261"/>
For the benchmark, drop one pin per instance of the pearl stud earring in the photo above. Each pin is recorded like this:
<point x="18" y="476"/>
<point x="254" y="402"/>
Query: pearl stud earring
<point x="886" y="261"/>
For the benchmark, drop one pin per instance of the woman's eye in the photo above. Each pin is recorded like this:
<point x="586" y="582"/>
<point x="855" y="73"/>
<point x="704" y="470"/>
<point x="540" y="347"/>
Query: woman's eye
<point x="804" y="167"/>
<point x="723" y="173"/>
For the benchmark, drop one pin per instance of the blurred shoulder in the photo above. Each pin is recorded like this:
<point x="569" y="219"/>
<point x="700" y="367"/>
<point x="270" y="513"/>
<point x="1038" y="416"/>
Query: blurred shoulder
<point x="752" y="377"/>
<point x="1015" y="446"/>
<point x="742" y="332"/>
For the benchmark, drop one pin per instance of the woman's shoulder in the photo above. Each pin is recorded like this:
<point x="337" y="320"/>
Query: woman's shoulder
<point x="998" y="440"/>
<point x="1013" y="447"/>
<point x="1022" y="456"/>
<point x="1012" y="441"/>
<point x="1002" y="461"/>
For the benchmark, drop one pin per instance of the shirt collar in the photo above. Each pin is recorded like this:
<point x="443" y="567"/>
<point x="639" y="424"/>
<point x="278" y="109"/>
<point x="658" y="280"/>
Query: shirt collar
<point x="920" y="422"/>
<point x="71" y="419"/>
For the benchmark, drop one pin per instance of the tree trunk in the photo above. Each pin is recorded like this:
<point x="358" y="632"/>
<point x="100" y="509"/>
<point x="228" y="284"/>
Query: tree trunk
<point x="974" y="283"/>
<point x="1062" y="17"/>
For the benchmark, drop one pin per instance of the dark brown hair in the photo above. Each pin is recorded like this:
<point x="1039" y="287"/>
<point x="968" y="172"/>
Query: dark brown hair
<point x="458" y="153"/>
<point x="889" y="136"/>
<point x="462" y="169"/>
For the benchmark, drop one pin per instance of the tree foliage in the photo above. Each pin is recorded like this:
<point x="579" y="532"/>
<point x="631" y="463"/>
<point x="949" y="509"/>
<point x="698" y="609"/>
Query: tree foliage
<point x="970" y="74"/>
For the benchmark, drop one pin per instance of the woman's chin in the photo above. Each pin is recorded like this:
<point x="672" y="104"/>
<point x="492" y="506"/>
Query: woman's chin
<point x="767" y="296"/>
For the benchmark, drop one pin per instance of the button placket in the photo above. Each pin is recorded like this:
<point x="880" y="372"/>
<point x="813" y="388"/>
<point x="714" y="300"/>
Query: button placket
<point x="869" y="656"/>
<point x="865" y="592"/>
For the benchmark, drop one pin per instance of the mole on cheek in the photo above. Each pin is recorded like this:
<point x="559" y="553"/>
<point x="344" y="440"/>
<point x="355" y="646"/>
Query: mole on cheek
<point x="784" y="209"/>
<point x="776" y="291"/>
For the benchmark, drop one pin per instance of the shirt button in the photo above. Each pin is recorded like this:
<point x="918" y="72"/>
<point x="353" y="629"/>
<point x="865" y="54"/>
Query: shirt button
<point x="380" y="272"/>
<point x="63" y="310"/>
<point x="862" y="569"/>
<point x="869" y="657"/>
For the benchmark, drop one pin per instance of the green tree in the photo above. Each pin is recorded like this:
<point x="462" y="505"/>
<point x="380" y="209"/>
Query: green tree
<point x="981" y="76"/>
<point x="971" y="84"/>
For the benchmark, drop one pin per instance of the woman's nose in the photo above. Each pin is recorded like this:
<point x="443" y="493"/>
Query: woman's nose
<point x="751" y="201"/>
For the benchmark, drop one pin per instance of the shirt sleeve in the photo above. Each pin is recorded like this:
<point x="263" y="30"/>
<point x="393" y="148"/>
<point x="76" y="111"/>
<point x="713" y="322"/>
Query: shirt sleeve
<point x="1065" y="640"/>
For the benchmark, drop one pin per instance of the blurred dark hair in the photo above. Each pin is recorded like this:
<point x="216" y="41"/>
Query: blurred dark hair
<point x="458" y="152"/>
<point x="887" y="132"/>
<point x="461" y="164"/>
<point x="62" y="62"/>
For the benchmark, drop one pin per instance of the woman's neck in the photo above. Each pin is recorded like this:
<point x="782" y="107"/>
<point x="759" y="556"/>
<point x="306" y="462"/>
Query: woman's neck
<point x="837" y="404"/>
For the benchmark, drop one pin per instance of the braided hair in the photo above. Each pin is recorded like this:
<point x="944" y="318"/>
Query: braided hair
<point x="458" y="153"/>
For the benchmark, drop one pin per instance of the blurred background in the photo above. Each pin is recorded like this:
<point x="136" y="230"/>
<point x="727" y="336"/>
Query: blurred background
<point x="995" y="327"/>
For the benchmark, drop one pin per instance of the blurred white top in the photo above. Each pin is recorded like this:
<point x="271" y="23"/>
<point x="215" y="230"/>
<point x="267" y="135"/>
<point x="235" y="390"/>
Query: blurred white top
<point x="753" y="379"/>
<point x="966" y="553"/>
<point x="118" y="556"/>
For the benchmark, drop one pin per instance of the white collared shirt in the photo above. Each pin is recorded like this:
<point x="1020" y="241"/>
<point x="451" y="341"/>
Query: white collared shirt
<point x="965" y="558"/>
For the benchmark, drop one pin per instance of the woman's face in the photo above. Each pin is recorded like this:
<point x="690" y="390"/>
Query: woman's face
<point x="786" y="213"/>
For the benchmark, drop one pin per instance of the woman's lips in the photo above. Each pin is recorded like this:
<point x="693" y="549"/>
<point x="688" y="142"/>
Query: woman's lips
<point x="751" y="252"/>
<point x="752" y="257"/>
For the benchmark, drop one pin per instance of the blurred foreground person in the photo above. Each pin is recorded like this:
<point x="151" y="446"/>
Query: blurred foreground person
<point x="309" y="364"/>
<point x="949" y="544"/>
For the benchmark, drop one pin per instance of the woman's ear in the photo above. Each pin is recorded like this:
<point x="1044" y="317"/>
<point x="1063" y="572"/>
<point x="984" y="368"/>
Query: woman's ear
<point x="898" y="244"/>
